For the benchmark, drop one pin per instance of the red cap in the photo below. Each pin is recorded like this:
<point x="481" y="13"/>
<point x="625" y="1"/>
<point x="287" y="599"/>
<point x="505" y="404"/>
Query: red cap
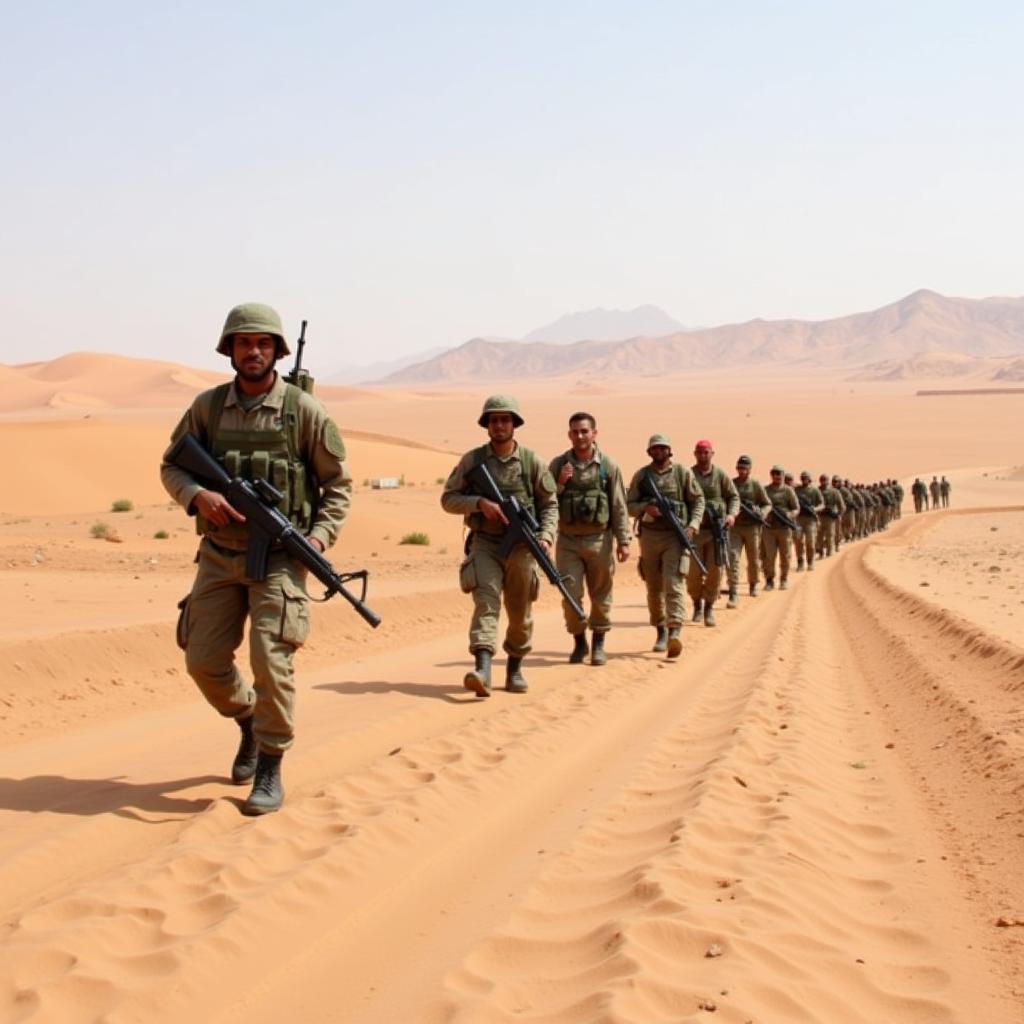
<point x="704" y="443"/>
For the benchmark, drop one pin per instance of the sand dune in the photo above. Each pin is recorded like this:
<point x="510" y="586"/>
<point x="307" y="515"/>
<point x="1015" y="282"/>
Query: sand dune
<point x="815" y="816"/>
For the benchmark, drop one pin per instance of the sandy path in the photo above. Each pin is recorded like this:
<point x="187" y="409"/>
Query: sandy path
<point x="569" y="856"/>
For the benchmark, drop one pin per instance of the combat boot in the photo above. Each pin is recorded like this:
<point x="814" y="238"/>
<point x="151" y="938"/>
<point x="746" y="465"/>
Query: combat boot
<point x="661" y="643"/>
<point x="783" y="583"/>
<point x="515" y="682"/>
<point x="267" y="792"/>
<point x="597" y="655"/>
<point x="580" y="650"/>
<point x="709" y="615"/>
<point x="696" y="610"/>
<point x="731" y="603"/>
<point x="810" y="565"/>
<point x="769" y="583"/>
<point x="800" y="565"/>
<point x="753" y="590"/>
<point x="675" y="642"/>
<point x="479" y="679"/>
<point x="244" y="765"/>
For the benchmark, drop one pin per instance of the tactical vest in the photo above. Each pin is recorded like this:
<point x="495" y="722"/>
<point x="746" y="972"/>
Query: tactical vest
<point x="521" y="489"/>
<point x="673" y="488"/>
<point x="585" y="502"/>
<point x="271" y="455"/>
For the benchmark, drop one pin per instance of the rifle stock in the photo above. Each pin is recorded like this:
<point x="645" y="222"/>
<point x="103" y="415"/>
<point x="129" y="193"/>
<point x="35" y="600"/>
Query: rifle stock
<point x="257" y="501"/>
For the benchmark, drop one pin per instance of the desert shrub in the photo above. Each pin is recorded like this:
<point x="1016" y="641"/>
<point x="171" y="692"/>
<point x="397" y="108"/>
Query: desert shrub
<point x="121" y="505"/>
<point x="416" y="537"/>
<point x="161" y="535"/>
<point x="99" y="530"/>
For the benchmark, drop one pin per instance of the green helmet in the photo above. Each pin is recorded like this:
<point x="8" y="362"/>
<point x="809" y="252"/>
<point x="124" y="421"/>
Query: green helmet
<point x="501" y="403"/>
<point x="659" y="439"/>
<point x="252" y="318"/>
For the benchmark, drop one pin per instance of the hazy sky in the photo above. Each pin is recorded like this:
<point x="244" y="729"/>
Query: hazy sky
<point x="407" y="175"/>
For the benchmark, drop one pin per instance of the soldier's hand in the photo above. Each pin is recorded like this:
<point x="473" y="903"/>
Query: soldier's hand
<point x="317" y="543"/>
<point x="730" y="521"/>
<point x="653" y="511"/>
<point x="215" y="507"/>
<point x="565" y="474"/>
<point x="492" y="511"/>
<point x="622" y="552"/>
<point x="691" y="532"/>
<point x="545" y="546"/>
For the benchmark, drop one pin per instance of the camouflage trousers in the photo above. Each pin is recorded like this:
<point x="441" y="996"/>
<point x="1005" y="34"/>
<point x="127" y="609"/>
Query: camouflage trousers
<point x="828" y="535"/>
<point x="849" y="522"/>
<point x="662" y="566"/>
<point x="804" y="540"/>
<point x="489" y="577"/>
<point x="744" y="538"/>
<point x="775" y="541"/>
<point x="589" y="558"/>
<point x="704" y="586"/>
<point x="211" y="627"/>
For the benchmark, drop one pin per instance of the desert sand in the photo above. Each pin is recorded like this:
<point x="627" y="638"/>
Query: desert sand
<point x="817" y="815"/>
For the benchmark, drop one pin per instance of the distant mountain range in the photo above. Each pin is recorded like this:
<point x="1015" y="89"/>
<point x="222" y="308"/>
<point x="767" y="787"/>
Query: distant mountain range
<point x="606" y="325"/>
<point x="923" y="322"/>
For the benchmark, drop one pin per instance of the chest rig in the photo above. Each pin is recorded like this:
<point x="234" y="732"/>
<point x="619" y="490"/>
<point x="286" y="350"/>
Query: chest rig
<point x="514" y="479"/>
<point x="584" y="497"/>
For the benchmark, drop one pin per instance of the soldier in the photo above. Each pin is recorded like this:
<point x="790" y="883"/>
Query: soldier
<point x="811" y="504"/>
<point x="828" y="528"/>
<point x="591" y="517"/>
<point x="663" y="562"/>
<point x="719" y="494"/>
<point x="933" y="489"/>
<point x="485" y="573"/>
<point x="849" y="521"/>
<point x="944" y="488"/>
<point x="920" y="494"/>
<point x="256" y="426"/>
<point x="746" y="532"/>
<point x="776" y="537"/>
<point x="899" y="494"/>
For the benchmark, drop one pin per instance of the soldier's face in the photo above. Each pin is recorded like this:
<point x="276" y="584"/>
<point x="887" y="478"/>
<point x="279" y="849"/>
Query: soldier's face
<point x="500" y="427"/>
<point x="776" y="477"/>
<point x="703" y="456"/>
<point x="660" y="454"/>
<point x="582" y="435"/>
<point x="253" y="355"/>
<point x="743" y="471"/>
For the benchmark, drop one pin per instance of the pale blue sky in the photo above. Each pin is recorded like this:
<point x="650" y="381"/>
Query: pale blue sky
<point x="406" y="175"/>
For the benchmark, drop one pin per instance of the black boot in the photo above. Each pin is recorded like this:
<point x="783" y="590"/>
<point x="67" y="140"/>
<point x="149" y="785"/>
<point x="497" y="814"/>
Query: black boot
<point x="514" y="679"/>
<point x="769" y="583"/>
<point x="580" y="650"/>
<point x="267" y="792"/>
<point x="661" y="643"/>
<point x="753" y="590"/>
<point x="731" y="603"/>
<point x="479" y="679"/>
<point x="597" y="655"/>
<point x="675" y="643"/>
<point x="709" y="615"/>
<point x="244" y="765"/>
<point x="696" y="610"/>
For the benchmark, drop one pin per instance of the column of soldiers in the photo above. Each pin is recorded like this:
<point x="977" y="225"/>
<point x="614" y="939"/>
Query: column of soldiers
<point x="581" y="512"/>
<point x="937" y="490"/>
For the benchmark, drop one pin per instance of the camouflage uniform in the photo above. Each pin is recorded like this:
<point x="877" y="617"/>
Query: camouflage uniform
<point x="934" y="490"/>
<point x="944" y="488"/>
<point x="746" y="533"/>
<point x="776" y="538"/>
<point x="828" y="528"/>
<point x="719" y="493"/>
<point x="807" y="521"/>
<point x="592" y="519"/>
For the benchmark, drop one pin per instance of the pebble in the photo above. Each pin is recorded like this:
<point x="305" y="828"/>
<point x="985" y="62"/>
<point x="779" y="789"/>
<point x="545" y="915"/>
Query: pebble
<point x="714" y="950"/>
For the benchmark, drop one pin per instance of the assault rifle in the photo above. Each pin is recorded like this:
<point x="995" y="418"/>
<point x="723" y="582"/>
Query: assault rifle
<point x="300" y="377"/>
<point x="522" y="529"/>
<point x="257" y="500"/>
<point x="718" y="531"/>
<point x="806" y="508"/>
<point x="649" y="488"/>
<point x="753" y="513"/>
<point x="784" y="518"/>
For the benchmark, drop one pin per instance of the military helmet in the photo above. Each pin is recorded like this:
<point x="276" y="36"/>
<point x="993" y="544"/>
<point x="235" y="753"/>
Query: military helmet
<point x="744" y="460"/>
<point x="252" y="318"/>
<point x="501" y="403"/>
<point x="659" y="439"/>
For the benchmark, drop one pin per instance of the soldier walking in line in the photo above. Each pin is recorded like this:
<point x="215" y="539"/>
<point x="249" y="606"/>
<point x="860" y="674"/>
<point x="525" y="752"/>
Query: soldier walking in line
<point x="828" y="528"/>
<point x="663" y="561"/>
<point x="721" y="498"/>
<point x="849" y="520"/>
<point x="485" y="573"/>
<point x="811" y="503"/>
<point x="944" y="488"/>
<point x="257" y="427"/>
<point x="593" y="532"/>
<point x="746" y="532"/>
<point x="919" y="492"/>
<point x="775" y="539"/>
<point x="934" y="490"/>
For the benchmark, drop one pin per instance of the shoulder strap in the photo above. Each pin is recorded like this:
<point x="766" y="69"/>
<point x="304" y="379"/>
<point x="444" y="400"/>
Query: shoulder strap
<point x="291" y="420"/>
<point x="220" y="394"/>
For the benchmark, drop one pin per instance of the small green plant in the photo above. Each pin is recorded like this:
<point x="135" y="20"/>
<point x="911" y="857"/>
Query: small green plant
<point x="121" y="505"/>
<point x="439" y="481"/>
<point x="161" y="535"/>
<point x="99" y="530"/>
<point x="417" y="537"/>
